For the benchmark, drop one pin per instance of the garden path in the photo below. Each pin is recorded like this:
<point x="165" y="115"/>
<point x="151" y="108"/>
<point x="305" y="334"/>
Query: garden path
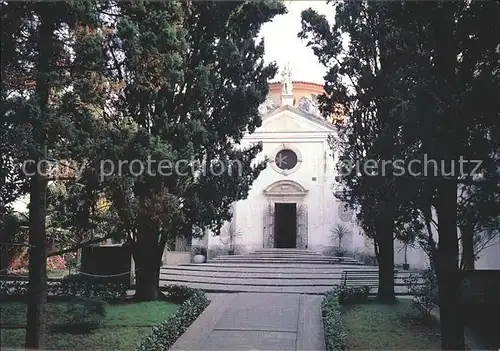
<point x="257" y="321"/>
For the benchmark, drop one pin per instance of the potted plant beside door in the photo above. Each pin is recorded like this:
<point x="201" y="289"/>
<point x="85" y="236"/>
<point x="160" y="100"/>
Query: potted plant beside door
<point x="200" y="254"/>
<point x="229" y="239"/>
<point x="338" y="234"/>
<point x="409" y="242"/>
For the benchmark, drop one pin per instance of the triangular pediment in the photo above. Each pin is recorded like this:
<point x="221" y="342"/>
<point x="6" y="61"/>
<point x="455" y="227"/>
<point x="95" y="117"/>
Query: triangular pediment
<point x="288" y="119"/>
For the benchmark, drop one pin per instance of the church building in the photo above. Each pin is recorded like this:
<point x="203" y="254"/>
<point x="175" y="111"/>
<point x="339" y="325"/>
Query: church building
<point x="291" y="204"/>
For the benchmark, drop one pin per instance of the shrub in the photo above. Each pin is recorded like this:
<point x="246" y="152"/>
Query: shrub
<point x="79" y="285"/>
<point x="335" y="336"/>
<point x="72" y="261"/>
<point x="341" y="252"/>
<point x="13" y="288"/>
<point x="424" y="289"/>
<point x="74" y="285"/>
<point x="85" y="315"/>
<point x="353" y="294"/>
<point x="166" y="333"/>
<point x="368" y="259"/>
<point x="179" y="293"/>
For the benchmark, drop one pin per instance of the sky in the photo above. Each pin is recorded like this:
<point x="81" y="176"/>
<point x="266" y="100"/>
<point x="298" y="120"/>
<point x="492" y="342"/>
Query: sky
<point x="282" y="44"/>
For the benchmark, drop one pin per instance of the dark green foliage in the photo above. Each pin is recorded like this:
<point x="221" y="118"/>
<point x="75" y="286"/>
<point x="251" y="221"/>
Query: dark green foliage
<point x="335" y="336"/>
<point x="13" y="231"/>
<point x="13" y="288"/>
<point x="417" y="81"/>
<point x="85" y="315"/>
<point x="367" y="258"/>
<point x="352" y="294"/>
<point x="178" y="293"/>
<point x="46" y="116"/>
<point x="164" y="335"/>
<point x="190" y="83"/>
<point x="67" y="287"/>
<point x="426" y="295"/>
<point x="72" y="261"/>
<point x="78" y="285"/>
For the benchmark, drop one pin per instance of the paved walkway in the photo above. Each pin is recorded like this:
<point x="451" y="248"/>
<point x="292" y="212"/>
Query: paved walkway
<point x="257" y="321"/>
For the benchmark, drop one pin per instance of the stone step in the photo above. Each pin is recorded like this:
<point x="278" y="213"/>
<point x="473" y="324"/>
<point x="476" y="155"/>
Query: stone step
<point x="266" y="256"/>
<point x="274" y="249"/>
<point x="322" y="260"/>
<point x="265" y="268"/>
<point x="244" y="266"/>
<point x="251" y="281"/>
<point x="286" y="256"/>
<point x="245" y="275"/>
<point x="284" y="252"/>
<point x="302" y="253"/>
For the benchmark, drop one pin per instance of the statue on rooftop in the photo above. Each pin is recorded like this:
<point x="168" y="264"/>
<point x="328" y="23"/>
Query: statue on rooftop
<point x="287" y="80"/>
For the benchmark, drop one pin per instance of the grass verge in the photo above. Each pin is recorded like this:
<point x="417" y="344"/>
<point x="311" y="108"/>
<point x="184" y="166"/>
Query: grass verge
<point x="374" y="326"/>
<point x="123" y="328"/>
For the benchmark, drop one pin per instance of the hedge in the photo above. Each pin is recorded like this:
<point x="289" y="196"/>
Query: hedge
<point x="335" y="335"/>
<point x="68" y="287"/>
<point x="166" y="333"/>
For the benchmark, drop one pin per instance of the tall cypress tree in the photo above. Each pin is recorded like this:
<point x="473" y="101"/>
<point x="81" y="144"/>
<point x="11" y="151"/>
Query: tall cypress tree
<point x="446" y="78"/>
<point x="44" y="119"/>
<point x="361" y="80"/>
<point x="192" y="79"/>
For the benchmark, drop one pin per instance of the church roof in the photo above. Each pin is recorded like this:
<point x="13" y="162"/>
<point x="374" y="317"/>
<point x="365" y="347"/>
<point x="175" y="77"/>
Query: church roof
<point x="300" y="82"/>
<point x="305" y="115"/>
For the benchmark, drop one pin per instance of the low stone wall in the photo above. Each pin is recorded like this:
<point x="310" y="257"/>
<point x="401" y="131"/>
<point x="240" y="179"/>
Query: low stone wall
<point x="174" y="258"/>
<point x="221" y="250"/>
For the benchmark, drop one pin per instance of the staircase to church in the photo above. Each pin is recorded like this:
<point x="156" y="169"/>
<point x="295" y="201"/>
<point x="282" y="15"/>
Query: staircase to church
<point x="265" y="270"/>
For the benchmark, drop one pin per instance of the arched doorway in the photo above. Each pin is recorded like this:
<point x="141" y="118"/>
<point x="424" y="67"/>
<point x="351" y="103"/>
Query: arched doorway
<point x="285" y="216"/>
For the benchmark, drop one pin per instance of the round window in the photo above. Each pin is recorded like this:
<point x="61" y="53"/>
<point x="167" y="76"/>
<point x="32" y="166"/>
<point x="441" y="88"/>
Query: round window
<point x="286" y="159"/>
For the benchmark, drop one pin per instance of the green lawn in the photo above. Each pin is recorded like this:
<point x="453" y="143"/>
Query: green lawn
<point x="374" y="326"/>
<point x="123" y="328"/>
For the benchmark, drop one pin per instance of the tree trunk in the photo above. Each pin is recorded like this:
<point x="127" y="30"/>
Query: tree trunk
<point x="147" y="281"/>
<point x="447" y="143"/>
<point x="147" y="256"/>
<point x="384" y="229"/>
<point x="37" y="284"/>
<point x="467" y="247"/>
<point x="431" y="244"/>
<point x="452" y="329"/>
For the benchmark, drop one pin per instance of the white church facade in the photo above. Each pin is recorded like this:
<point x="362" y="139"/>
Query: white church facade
<point x="291" y="204"/>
